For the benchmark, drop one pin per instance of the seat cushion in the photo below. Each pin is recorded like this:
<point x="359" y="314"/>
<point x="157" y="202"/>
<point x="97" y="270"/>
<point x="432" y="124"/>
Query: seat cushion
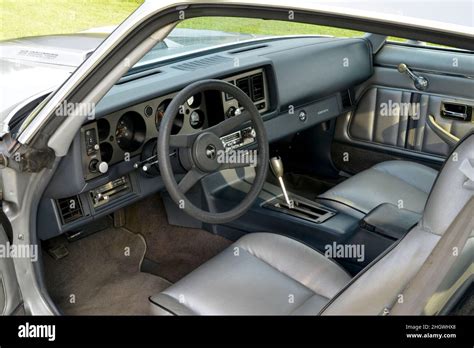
<point x="386" y="182"/>
<point x="261" y="274"/>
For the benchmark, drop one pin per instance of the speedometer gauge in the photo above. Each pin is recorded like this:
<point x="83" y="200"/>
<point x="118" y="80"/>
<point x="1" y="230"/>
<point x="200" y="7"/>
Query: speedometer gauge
<point x="130" y="132"/>
<point x="160" y="113"/>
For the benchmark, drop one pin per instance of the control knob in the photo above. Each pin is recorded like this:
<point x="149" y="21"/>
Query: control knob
<point x="96" y="166"/>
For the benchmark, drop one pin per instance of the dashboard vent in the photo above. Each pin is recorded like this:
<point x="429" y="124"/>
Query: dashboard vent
<point x="347" y="98"/>
<point x="70" y="209"/>
<point x="202" y="63"/>
<point x="244" y="85"/>
<point x="257" y="87"/>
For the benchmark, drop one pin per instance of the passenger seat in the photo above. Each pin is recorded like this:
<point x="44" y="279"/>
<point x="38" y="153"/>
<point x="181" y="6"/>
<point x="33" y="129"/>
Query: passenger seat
<point x="402" y="183"/>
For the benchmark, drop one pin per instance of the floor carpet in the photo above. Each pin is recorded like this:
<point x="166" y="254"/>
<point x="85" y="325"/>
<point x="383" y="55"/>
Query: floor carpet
<point x="175" y="251"/>
<point x="101" y="275"/>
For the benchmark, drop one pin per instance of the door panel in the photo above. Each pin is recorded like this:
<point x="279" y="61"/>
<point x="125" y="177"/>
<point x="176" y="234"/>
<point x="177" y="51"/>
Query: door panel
<point x="390" y="115"/>
<point x="406" y="127"/>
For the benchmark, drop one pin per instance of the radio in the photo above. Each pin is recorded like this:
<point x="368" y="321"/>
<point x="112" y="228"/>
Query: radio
<point x="238" y="139"/>
<point x="113" y="189"/>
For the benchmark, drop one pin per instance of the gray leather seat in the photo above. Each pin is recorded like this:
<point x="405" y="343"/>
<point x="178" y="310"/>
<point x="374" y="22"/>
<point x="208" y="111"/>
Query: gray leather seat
<point x="386" y="182"/>
<point x="261" y="273"/>
<point x="269" y="274"/>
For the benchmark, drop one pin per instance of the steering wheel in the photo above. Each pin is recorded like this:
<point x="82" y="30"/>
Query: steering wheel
<point x="201" y="153"/>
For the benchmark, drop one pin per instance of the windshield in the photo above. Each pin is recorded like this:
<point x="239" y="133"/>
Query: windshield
<point x="208" y="32"/>
<point x="198" y="34"/>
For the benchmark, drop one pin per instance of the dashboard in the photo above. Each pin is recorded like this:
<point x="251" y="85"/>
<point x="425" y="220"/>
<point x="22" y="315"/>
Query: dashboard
<point x="295" y="83"/>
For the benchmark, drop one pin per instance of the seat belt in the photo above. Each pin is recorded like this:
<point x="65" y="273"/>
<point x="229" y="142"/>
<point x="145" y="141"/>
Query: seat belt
<point x="429" y="277"/>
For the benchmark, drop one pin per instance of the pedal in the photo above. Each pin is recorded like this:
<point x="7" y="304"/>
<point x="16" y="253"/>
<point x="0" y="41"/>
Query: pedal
<point x="58" y="252"/>
<point x="344" y="174"/>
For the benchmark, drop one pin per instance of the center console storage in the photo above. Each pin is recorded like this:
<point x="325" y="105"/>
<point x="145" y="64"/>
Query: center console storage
<point x="377" y="231"/>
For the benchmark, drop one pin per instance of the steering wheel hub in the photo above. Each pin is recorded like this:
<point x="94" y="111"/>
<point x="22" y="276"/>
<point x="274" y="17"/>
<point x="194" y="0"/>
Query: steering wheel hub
<point x="206" y="148"/>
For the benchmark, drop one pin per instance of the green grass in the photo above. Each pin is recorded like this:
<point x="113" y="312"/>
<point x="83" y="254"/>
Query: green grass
<point x="263" y="27"/>
<point x="20" y="18"/>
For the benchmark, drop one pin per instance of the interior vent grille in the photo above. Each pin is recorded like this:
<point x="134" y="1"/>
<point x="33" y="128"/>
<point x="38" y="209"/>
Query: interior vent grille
<point x="202" y="63"/>
<point x="70" y="209"/>
<point x="347" y="98"/>
<point x="244" y="85"/>
<point x="257" y="87"/>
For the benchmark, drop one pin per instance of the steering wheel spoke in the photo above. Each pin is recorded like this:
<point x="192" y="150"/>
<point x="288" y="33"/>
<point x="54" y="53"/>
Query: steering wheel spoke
<point x="182" y="140"/>
<point x="190" y="179"/>
<point x="234" y="165"/>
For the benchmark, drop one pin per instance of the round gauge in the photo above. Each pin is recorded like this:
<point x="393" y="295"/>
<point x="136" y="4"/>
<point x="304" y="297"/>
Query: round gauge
<point x="130" y="132"/>
<point x="106" y="152"/>
<point x="160" y="113"/>
<point x="103" y="126"/>
<point x="196" y="119"/>
<point x="194" y="101"/>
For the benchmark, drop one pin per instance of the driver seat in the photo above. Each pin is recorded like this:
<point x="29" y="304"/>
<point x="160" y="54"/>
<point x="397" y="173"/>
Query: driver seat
<point x="269" y="274"/>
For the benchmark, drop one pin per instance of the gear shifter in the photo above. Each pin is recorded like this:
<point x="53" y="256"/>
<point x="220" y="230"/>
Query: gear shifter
<point x="277" y="168"/>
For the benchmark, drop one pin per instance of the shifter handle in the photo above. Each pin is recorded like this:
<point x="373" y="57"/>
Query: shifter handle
<point x="277" y="168"/>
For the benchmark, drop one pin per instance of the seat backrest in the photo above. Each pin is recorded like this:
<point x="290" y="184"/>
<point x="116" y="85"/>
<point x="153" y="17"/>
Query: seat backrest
<point x="379" y="286"/>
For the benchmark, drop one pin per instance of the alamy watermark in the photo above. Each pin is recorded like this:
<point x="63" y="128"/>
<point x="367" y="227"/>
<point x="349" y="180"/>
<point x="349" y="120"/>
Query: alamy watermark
<point x="20" y="251"/>
<point x="396" y="109"/>
<point x="76" y="109"/>
<point x="244" y="157"/>
<point x="350" y="251"/>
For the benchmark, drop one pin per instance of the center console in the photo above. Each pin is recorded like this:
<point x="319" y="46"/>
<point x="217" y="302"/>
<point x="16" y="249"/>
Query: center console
<point x="307" y="220"/>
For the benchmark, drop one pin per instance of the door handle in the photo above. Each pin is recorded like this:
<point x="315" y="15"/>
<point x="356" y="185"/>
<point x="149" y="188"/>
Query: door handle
<point x="447" y="137"/>
<point x="453" y="114"/>
<point x="461" y="112"/>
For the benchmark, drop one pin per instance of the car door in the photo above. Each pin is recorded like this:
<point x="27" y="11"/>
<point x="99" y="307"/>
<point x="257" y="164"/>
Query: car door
<point x="393" y="119"/>
<point x="10" y="298"/>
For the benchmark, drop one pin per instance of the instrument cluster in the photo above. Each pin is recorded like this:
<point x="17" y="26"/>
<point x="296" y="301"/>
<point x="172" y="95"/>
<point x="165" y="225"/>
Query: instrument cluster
<point x="133" y="131"/>
<point x="124" y="134"/>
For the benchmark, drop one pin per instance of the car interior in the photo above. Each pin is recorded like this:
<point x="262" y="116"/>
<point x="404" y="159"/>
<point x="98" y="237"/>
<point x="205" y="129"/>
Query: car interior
<point x="360" y="141"/>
